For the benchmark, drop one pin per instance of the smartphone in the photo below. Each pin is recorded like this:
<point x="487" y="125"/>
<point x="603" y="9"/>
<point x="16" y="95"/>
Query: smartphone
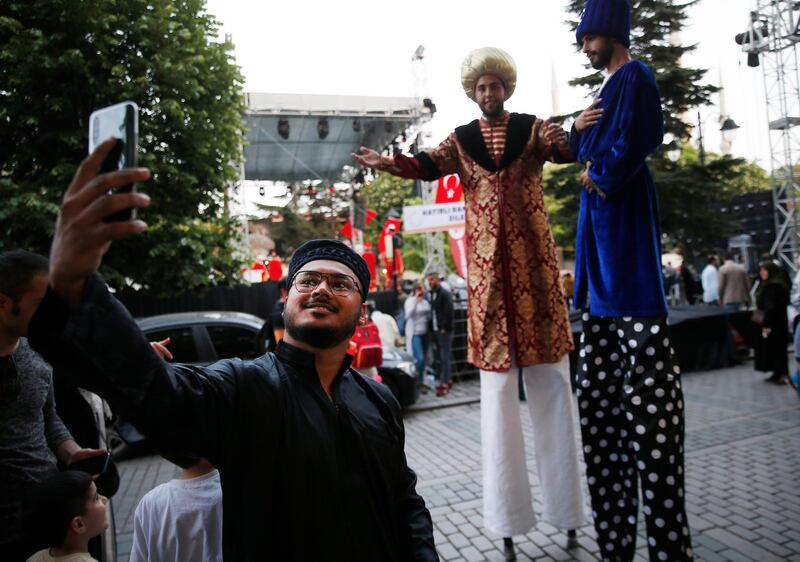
<point x="92" y="465"/>
<point x="120" y="121"/>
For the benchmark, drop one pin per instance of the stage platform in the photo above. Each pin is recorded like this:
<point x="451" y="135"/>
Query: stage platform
<point x="704" y="337"/>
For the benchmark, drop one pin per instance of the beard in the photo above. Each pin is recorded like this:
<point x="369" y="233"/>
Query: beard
<point x="603" y="54"/>
<point x="493" y="114"/>
<point x="321" y="337"/>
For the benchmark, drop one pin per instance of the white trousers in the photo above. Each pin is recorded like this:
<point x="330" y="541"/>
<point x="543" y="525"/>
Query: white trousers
<point x="507" y="502"/>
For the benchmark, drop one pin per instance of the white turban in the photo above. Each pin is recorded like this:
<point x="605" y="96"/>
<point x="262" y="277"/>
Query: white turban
<point x="488" y="60"/>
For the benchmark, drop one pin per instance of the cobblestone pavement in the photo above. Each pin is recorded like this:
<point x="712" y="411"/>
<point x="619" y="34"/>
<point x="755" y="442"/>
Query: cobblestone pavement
<point x="742" y="471"/>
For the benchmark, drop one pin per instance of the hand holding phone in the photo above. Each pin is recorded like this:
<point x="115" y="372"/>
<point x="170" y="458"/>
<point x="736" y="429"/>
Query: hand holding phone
<point x="120" y="121"/>
<point x="92" y="465"/>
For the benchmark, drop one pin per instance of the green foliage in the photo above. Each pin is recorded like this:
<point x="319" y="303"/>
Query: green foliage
<point x="308" y="214"/>
<point x="562" y="201"/>
<point x="384" y="193"/>
<point x="687" y="190"/>
<point x="387" y="192"/>
<point x="60" y="60"/>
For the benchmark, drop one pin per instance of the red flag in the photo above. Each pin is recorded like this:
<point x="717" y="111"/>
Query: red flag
<point x="347" y="229"/>
<point x="369" y="257"/>
<point x="370" y="214"/>
<point x="449" y="190"/>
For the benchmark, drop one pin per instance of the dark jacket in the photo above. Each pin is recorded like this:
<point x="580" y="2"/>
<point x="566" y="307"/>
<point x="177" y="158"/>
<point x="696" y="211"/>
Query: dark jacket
<point x="770" y="353"/>
<point x="304" y="478"/>
<point x="442" y="309"/>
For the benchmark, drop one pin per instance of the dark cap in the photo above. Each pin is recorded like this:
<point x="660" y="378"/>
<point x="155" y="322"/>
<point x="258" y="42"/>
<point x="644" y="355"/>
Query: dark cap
<point x="331" y="250"/>
<point x="610" y="18"/>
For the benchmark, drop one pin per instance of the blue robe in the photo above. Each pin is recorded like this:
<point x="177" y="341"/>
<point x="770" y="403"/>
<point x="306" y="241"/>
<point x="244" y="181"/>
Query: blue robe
<point x="618" y="248"/>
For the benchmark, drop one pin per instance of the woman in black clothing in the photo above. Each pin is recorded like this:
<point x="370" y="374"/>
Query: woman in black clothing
<point x="772" y="298"/>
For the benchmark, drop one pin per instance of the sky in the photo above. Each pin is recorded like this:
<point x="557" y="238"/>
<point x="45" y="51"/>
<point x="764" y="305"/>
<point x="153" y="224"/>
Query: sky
<point x="365" y="48"/>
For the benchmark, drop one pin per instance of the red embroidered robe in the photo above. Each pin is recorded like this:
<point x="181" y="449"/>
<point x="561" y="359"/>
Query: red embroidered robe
<point x="513" y="280"/>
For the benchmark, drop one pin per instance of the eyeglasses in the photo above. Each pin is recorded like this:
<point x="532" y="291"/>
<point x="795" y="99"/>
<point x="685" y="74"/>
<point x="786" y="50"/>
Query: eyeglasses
<point x="339" y="283"/>
<point x="9" y="381"/>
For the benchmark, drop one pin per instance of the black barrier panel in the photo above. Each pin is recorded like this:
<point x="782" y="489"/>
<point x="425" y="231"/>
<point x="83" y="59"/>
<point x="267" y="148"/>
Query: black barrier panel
<point x="702" y="336"/>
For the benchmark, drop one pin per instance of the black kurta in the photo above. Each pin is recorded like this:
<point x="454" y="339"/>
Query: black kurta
<point x="303" y="477"/>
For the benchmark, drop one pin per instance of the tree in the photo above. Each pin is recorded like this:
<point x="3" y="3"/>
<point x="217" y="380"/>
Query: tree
<point x="312" y="210"/>
<point x="59" y="60"/>
<point x="387" y="192"/>
<point x="681" y="185"/>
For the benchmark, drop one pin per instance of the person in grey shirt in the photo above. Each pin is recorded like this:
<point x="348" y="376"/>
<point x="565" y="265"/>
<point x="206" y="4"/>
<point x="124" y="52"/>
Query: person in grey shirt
<point x="32" y="437"/>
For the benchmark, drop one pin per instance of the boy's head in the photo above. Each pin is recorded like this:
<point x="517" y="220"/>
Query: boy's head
<point x="180" y="459"/>
<point x="65" y="507"/>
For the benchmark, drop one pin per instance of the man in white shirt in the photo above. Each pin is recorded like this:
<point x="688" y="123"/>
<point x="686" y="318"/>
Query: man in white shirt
<point x="181" y="519"/>
<point x="710" y="280"/>
<point x="387" y="325"/>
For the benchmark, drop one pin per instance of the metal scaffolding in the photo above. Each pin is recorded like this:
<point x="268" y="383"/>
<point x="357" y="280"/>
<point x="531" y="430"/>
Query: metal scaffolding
<point x="434" y="242"/>
<point x="772" y="37"/>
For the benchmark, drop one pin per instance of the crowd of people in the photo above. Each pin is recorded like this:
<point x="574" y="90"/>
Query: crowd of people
<point x="297" y="456"/>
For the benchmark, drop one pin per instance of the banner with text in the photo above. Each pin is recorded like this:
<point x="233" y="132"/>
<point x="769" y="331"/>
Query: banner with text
<point x="433" y="218"/>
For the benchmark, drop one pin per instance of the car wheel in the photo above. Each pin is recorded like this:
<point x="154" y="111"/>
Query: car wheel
<point x="391" y="384"/>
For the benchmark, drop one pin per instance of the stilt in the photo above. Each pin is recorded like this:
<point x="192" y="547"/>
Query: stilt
<point x="572" y="539"/>
<point x="508" y="547"/>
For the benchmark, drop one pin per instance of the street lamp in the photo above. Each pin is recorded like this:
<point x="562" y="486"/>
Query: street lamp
<point x="672" y="147"/>
<point x="728" y="128"/>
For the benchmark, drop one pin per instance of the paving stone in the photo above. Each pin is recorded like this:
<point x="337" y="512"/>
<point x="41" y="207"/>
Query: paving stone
<point x="773" y="536"/>
<point x="447" y="552"/>
<point x="703" y="553"/>
<point x="743" y="533"/>
<point x="774" y="547"/>
<point x="555" y="552"/>
<point x="458" y="540"/>
<point x="469" y="530"/>
<point x="531" y="550"/>
<point x="743" y="547"/>
<point x="483" y="544"/>
<point x="742" y="521"/>
<point x="447" y="528"/>
<point x="472" y="554"/>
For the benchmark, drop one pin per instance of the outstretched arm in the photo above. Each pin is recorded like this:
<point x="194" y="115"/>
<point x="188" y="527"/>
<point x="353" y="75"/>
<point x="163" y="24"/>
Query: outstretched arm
<point x="372" y="159"/>
<point x="426" y="165"/>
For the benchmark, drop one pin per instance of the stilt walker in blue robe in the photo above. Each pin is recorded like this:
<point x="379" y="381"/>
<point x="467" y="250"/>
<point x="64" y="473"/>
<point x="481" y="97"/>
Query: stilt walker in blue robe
<point x="629" y="390"/>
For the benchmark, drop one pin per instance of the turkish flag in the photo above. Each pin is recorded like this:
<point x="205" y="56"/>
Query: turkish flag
<point x="449" y="190"/>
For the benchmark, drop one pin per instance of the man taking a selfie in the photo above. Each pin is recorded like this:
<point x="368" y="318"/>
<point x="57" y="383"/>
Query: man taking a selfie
<point x="311" y="454"/>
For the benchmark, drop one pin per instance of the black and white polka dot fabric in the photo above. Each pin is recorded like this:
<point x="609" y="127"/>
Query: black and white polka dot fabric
<point x="631" y="409"/>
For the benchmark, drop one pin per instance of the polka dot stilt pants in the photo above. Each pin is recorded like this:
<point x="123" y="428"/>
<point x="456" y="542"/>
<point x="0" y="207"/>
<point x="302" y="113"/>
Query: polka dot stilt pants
<point x="631" y="408"/>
